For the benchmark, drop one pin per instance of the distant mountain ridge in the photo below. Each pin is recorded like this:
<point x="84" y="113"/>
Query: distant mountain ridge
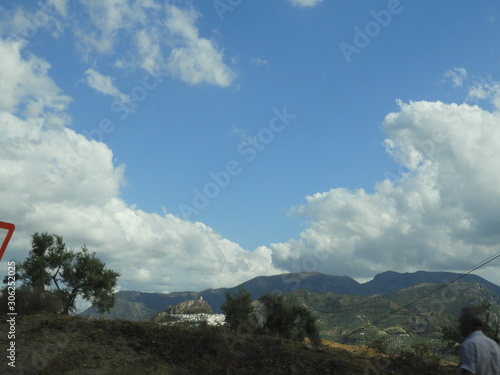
<point x="142" y="306"/>
<point x="390" y="281"/>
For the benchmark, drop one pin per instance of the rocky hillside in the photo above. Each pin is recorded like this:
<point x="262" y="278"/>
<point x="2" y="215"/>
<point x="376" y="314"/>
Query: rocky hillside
<point x="403" y="315"/>
<point x="195" y="306"/>
<point x="190" y="307"/>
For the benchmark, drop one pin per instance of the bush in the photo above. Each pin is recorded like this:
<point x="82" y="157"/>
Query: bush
<point x="380" y="344"/>
<point x="419" y="357"/>
<point x="288" y="320"/>
<point x="237" y="310"/>
<point x="452" y="339"/>
<point x="28" y="301"/>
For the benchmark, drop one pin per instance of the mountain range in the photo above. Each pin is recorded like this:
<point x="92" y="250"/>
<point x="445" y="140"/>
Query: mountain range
<point x="141" y="306"/>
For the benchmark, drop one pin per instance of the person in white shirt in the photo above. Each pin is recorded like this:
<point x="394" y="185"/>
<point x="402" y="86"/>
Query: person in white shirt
<point x="479" y="355"/>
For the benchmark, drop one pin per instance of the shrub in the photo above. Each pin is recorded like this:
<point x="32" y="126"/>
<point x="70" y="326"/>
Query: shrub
<point x="288" y="320"/>
<point x="28" y="301"/>
<point x="237" y="310"/>
<point x="380" y="344"/>
<point x="419" y="357"/>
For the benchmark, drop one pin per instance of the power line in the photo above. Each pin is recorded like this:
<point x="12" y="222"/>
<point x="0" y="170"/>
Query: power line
<point x="479" y="265"/>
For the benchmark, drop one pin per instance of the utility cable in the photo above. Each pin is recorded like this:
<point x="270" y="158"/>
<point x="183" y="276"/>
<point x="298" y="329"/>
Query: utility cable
<point x="477" y="266"/>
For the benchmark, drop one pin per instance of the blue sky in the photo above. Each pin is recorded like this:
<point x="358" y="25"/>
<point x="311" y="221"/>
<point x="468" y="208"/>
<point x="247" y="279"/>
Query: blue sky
<point x="342" y="134"/>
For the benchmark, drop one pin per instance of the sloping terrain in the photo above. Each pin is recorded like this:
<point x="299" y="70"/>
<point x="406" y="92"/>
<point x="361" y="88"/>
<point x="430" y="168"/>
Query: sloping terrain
<point x="404" y="315"/>
<point x="54" y="344"/>
<point x="142" y="306"/>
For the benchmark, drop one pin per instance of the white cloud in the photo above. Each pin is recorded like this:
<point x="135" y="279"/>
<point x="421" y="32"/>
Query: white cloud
<point x="147" y="34"/>
<point x="111" y="21"/>
<point x="21" y="23"/>
<point x="26" y="87"/>
<point x="486" y="91"/>
<point x="305" y="3"/>
<point x="104" y="85"/>
<point x="195" y="59"/>
<point x="440" y="215"/>
<point x="149" y="50"/>
<point x="456" y="76"/>
<point x="164" y="38"/>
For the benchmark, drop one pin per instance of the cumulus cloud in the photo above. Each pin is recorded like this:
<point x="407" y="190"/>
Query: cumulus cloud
<point x="305" y="3"/>
<point x="26" y="87"/>
<point x="59" y="181"/>
<point x="196" y="59"/>
<point x="104" y="85"/>
<point x="441" y="214"/>
<point x="54" y="179"/>
<point x="164" y="36"/>
<point x="150" y="35"/>
<point x="456" y="76"/>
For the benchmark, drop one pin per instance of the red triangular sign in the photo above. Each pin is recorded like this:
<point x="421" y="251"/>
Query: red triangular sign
<point x="10" y="230"/>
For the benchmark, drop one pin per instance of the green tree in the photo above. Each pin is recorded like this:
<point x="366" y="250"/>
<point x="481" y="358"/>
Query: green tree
<point x="288" y="319"/>
<point x="277" y="317"/>
<point x="47" y="257"/>
<point x="238" y="309"/>
<point x="67" y="274"/>
<point x="304" y="324"/>
<point x="491" y="327"/>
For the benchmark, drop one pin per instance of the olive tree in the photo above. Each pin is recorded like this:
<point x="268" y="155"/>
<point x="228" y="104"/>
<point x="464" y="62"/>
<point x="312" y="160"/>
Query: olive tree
<point x="237" y="309"/>
<point x="288" y="319"/>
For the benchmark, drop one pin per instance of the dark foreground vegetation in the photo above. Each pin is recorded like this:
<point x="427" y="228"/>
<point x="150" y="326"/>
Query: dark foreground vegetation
<point x="61" y="344"/>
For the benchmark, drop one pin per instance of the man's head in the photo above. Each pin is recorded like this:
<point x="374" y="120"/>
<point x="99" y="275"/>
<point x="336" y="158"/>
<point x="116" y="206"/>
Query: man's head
<point x="471" y="319"/>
